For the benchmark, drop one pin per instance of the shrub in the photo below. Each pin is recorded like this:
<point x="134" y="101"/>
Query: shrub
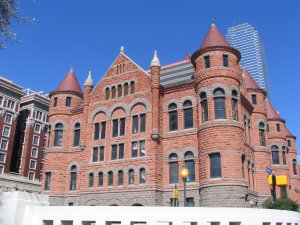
<point x="282" y="204"/>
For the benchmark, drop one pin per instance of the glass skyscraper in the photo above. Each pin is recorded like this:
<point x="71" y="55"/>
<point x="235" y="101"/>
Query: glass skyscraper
<point x="247" y="40"/>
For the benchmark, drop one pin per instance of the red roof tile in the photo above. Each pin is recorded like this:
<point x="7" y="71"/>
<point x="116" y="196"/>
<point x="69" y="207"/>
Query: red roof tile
<point x="70" y="83"/>
<point x="214" y="38"/>
<point x="288" y="132"/>
<point x="249" y="81"/>
<point x="271" y="112"/>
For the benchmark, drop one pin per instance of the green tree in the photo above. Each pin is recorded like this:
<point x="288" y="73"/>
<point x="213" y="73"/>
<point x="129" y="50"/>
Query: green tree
<point x="282" y="204"/>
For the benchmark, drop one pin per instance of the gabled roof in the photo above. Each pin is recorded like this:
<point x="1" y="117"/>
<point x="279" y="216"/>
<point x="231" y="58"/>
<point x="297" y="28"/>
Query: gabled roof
<point x="249" y="81"/>
<point x="69" y="83"/>
<point x="271" y="112"/>
<point x="214" y="38"/>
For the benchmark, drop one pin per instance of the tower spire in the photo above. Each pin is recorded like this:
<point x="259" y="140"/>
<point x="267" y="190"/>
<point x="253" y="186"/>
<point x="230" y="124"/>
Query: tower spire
<point x="89" y="80"/>
<point x="155" y="61"/>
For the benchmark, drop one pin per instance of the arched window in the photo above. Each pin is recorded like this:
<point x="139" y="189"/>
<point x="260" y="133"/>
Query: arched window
<point x="262" y="137"/>
<point x="110" y="178"/>
<point x="120" y="177"/>
<point x="125" y="89"/>
<point x="91" y="180"/>
<point x="295" y="166"/>
<point x="73" y="178"/>
<point x="204" y="107"/>
<point x="173" y="169"/>
<point x="100" y="179"/>
<point x="131" y="176"/>
<point x="76" y="134"/>
<point x="234" y="102"/>
<point x="275" y="154"/>
<point x="173" y="117"/>
<point x="219" y="99"/>
<point x="283" y="155"/>
<point x="142" y="175"/>
<point x="107" y="93"/>
<point x="58" y="135"/>
<point x="190" y="165"/>
<point x="113" y="92"/>
<point x="132" y="87"/>
<point x="188" y="114"/>
<point x="119" y="90"/>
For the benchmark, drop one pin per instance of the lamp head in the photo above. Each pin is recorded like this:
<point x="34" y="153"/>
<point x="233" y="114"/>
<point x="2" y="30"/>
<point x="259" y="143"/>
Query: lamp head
<point x="184" y="172"/>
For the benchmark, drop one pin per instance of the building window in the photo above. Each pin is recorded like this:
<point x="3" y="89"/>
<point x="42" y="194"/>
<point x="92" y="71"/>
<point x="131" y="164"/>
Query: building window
<point x="32" y="164"/>
<point x="8" y="118"/>
<point x="4" y="144"/>
<point x="34" y="152"/>
<point x="139" y="121"/>
<point x="76" y="134"/>
<point x="142" y="176"/>
<point x="289" y="143"/>
<point x="283" y="155"/>
<point x="106" y="93"/>
<point x="243" y="166"/>
<point x="215" y="165"/>
<point x="234" y="102"/>
<point x="43" y="155"/>
<point x="100" y="179"/>
<point x="278" y="127"/>
<point x="173" y="117"/>
<point x="96" y="131"/>
<point x="207" y="61"/>
<point x="110" y="178"/>
<point x="58" y="134"/>
<point x="125" y="89"/>
<point x="1" y="169"/>
<point x="204" y="107"/>
<point x="141" y="145"/>
<point x="275" y="154"/>
<point x="190" y="165"/>
<point x="132" y="87"/>
<point x="134" y="149"/>
<point x="2" y="157"/>
<point x="262" y="137"/>
<point x="95" y="154"/>
<point x="31" y="175"/>
<point x="10" y="104"/>
<point x="142" y="123"/>
<point x="294" y="166"/>
<point x="190" y="203"/>
<point x="122" y="126"/>
<point x="73" y="178"/>
<point x="116" y="131"/>
<point x="115" y="127"/>
<point x="101" y="158"/>
<point x="47" y="181"/>
<point x="36" y="140"/>
<point x="219" y="99"/>
<point x="135" y="126"/>
<point x="121" y="151"/>
<point x="55" y="102"/>
<point x="254" y="100"/>
<point x="103" y="130"/>
<point x="114" y="152"/>
<point x="120" y="177"/>
<point x="225" y="60"/>
<point x="37" y="128"/>
<point x="131" y="176"/>
<point x="6" y="131"/>
<point x="119" y="90"/>
<point x="188" y="114"/>
<point x="91" y="180"/>
<point x="113" y="92"/>
<point x="173" y="169"/>
<point x="68" y="101"/>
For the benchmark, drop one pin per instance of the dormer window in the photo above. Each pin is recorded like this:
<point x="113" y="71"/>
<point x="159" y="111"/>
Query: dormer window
<point x="207" y="61"/>
<point x="225" y="60"/>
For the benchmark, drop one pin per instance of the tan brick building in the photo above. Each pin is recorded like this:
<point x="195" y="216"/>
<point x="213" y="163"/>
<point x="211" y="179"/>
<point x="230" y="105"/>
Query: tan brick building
<point x="124" y="140"/>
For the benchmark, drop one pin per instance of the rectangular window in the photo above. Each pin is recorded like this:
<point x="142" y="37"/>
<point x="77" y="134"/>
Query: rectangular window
<point x="289" y="143"/>
<point x="142" y="123"/>
<point x="254" y="101"/>
<point x="114" y="149"/>
<point x="34" y="152"/>
<point x="37" y="128"/>
<point x="190" y="202"/>
<point x="31" y="175"/>
<point x="96" y="131"/>
<point x="188" y="118"/>
<point x="6" y="131"/>
<point x="38" y="115"/>
<point x="103" y="130"/>
<point x="43" y="154"/>
<point x="278" y="127"/>
<point x="225" y="60"/>
<point x="101" y="153"/>
<point x="134" y="149"/>
<point x="1" y="169"/>
<point x="235" y="114"/>
<point x="275" y="157"/>
<point x="174" y="172"/>
<point x="32" y="164"/>
<point x="68" y="101"/>
<point x="4" y="144"/>
<point x="142" y="148"/>
<point x="2" y="157"/>
<point x="121" y="151"/>
<point x="206" y="61"/>
<point x="135" y="124"/>
<point x="215" y="165"/>
<point x="10" y="104"/>
<point x="284" y="157"/>
<point x="204" y="107"/>
<point x="47" y="181"/>
<point x="8" y="118"/>
<point x="55" y="102"/>
<point x="95" y="154"/>
<point x="173" y="121"/>
<point x="122" y="126"/>
<point x="35" y="140"/>
<point x="115" y="128"/>
<point x="1" y="100"/>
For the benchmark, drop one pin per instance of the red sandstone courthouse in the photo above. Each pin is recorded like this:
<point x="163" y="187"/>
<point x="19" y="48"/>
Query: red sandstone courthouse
<point x="124" y="140"/>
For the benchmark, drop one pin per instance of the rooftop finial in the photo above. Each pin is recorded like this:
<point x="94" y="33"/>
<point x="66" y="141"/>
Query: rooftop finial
<point x="122" y="50"/>
<point x="72" y="70"/>
<point x="89" y="80"/>
<point x="213" y="21"/>
<point x="155" y="61"/>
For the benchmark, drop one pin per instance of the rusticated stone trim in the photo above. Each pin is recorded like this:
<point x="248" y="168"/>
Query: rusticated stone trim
<point x="114" y="202"/>
<point x="176" y="101"/>
<point x="261" y="121"/>
<point x="77" y="121"/>
<point x="177" y="152"/>
<point x="77" y="164"/>
<point x="143" y="101"/>
<point x="96" y="111"/>
<point x="191" y="98"/>
<point x="53" y="123"/>
<point x="92" y="202"/>
<point x="219" y="85"/>
<point x="190" y="149"/>
<point x="206" y="90"/>
<point x="116" y="106"/>
<point x="137" y="200"/>
<point x="233" y="87"/>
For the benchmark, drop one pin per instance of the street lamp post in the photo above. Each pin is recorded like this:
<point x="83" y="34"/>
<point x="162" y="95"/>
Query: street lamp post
<point x="184" y="173"/>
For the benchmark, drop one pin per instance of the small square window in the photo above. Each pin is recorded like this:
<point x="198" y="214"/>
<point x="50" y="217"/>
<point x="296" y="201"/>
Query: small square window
<point x="4" y="144"/>
<point x="68" y="101"/>
<point x="35" y="140"/>
<point x="8" y="118"/>
<point x="31" y="175"/>
<point x="207" y="62"/>
<point x="34" y="152"/>
<point x="2" y="157"/>
<point x="32" y="164"/>
<point x="6" y="131"/>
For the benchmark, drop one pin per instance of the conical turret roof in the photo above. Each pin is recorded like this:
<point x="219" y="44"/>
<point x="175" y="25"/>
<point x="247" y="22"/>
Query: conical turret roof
<point x="249" y="81"/>
<point x="271" y="112"/>
<point x="70" y="83"/>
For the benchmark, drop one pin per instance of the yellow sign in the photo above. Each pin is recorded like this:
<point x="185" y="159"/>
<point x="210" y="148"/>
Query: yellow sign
<point x="175" y="192"/>
<point x="281" y="180"/>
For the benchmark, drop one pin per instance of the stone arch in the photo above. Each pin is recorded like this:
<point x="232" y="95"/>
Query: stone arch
<point x="219" y="85"/>
<point x="76" y="121"/>
<point x="279" y="145"/>
<point x="261" y="121"/>
<point x="75" y="163"/>
<point x="143" y="101"/>
<point x="53" y="123"/>
<point x="137" y="200"/>
<point x="92" y="202"/>
<point x="177" y="102"/>
<point x="96" y="111"/>
<point x="114" y="202"/>
<point x="170" y="151"/>
<point x="116" y="106"/>
<point x="191" y="98"/>
<point x="190" y="149"/>
<point x="206" y="90"/>
<point x="233" y="87"/>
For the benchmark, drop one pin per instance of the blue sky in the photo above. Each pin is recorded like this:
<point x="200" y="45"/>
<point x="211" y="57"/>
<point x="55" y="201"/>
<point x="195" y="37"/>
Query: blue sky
<point x="88" y="35"/>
